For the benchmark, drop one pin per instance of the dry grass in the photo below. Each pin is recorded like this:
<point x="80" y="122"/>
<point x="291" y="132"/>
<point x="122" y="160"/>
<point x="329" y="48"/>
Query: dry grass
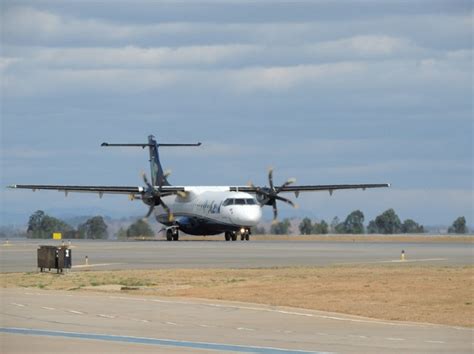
<point x="395" y="292"/>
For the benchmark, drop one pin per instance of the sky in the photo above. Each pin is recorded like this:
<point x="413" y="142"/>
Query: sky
<point x="324" y="91"/>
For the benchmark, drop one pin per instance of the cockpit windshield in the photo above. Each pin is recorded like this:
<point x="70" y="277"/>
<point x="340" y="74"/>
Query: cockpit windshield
<point x="239" y="201"/>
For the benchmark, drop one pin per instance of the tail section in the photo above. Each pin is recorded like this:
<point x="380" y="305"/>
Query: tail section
<point x="158" y="177"/>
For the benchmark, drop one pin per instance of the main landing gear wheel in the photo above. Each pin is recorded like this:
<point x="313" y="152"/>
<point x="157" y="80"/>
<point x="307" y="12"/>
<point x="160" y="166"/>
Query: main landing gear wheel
<point x="234" y="236"/>
<point x="172" y="235"/>
<point x="227" y="236"/>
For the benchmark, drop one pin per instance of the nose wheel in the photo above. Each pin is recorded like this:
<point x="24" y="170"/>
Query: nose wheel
<point x="232" y="235"/>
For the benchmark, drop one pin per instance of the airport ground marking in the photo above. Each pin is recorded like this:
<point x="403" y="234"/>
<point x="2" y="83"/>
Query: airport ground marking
<point x="75" y="312"/>
<point x="94" y="265"/>
<point x="155" y="341"/>
<point x="16" y="304"/>
<point x="435" y="341"/>
<point x="394" y="339"/>
<point x="285" y="312"/>
<point x="48" y="308"/>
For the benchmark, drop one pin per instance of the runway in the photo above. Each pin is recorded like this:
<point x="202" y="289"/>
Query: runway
<point x="121" y="323"/>
<point x="21" y="256"/>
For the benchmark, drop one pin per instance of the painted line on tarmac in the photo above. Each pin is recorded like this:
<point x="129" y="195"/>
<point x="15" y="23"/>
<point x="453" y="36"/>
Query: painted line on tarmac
<point x="94" y="265"/>
<point x="154" y="341"/>
<point x="396" y="261"/>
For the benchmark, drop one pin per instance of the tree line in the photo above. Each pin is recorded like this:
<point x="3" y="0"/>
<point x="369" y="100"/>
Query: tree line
<point x="41" y="225"/>
<point x="386" y="223"/>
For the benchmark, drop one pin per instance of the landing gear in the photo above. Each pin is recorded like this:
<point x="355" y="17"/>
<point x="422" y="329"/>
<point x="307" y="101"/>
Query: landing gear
<point x="230" y="235"/>
<point x="172" y="234"/>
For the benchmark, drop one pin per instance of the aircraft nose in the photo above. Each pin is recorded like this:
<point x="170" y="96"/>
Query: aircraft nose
<point x="251" y="216"/>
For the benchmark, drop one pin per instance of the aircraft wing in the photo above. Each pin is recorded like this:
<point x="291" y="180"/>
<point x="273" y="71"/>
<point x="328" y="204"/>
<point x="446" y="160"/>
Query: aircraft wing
<point x="311" y="188"/>
<point x="132" y="191"/>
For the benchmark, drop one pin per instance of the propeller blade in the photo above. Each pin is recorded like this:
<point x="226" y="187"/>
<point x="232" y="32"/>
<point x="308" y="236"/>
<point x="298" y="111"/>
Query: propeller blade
<point x="168" y="211"/>
<point x="286" y="201"/>
<point x="270" y="177"/>
<point x="182" y="194"/>
<point x="149" y="212"/>
<point x="275" y="211"/>
<point x="145" y="179"/>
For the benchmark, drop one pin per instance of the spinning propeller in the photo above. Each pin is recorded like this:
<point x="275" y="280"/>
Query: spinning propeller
<point x="153" y="197"/>
<point x="269" y="195"/>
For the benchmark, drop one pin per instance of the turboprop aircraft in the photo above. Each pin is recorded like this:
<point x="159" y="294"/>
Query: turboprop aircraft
<point x="200" y="210"/>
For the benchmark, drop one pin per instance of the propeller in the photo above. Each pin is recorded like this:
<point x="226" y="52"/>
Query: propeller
<point x="269" y="195"/>
<point x="153" y="197"/>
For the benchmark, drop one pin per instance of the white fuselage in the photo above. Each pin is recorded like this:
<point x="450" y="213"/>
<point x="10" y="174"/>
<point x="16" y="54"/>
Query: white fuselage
<point x="211" y="210"/>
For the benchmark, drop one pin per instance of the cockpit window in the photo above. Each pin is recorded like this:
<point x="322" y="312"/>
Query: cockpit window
<point x="239" y="201"/>
<point x="228" y="202"/>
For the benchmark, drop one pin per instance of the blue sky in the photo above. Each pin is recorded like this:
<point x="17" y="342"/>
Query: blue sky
<point x="327" y="92"/>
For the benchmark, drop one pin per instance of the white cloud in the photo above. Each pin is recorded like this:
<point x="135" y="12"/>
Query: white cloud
<point x="364" y="46"/>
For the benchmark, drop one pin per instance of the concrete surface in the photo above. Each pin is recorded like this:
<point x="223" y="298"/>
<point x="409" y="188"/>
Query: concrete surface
<point x="20" y="256"/>
<point x="223" y="326"/>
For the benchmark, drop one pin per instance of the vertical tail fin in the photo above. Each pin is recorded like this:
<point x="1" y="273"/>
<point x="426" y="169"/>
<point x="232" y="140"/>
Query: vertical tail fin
<point x="158" y="177"/>
<point x="157" y="174"/>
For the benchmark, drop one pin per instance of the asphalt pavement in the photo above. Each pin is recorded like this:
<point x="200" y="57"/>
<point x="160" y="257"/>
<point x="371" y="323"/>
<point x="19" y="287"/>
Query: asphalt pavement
<point x="45" y="321"/>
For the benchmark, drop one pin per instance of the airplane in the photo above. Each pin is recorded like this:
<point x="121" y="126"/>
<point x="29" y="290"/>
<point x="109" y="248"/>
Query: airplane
<point x="200" y="210"/>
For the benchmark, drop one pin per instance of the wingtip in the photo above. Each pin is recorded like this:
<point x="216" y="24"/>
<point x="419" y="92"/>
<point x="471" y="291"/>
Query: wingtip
<point x="12" y="186"/>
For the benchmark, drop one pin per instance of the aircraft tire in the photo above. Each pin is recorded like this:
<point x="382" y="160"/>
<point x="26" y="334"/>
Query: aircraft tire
<point x="234" y="236"/>
<point x="227" y="236"/>
<point x="169" y="235"/>
<point x="247" y="236"/>
<point x="176" y="236"/>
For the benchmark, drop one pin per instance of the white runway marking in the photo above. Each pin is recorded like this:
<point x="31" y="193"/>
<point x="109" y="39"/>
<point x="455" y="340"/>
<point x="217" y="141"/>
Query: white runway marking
<point x="48" y="308"/>
<point x="105" y="316"/>
<point x="394" y="339"/>
<point x="171" y="323"/>
<point x="245" y="329"/>
<point x="293" y="313"/>
<point x="357" y="336"/>
<point x="75" y="312"/>
<point x="139" y="320"/>
<point x="19" y="305"/>
<point x="435" y="341"/>
<point x="94" y="265"/>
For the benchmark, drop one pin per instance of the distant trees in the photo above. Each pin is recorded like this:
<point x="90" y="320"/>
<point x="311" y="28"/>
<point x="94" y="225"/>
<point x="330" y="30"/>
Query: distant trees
<point x="320" y="228"/>
<point x="94" y="228"/>
<point x="458" y="226"/>
<point x="258" y="230"/>
<point x="140" y="228"/>
<point x="386" y="223"/>
<point x="41" y="225"/>
<point x="306" y="227"/>
<point x="389" y="223"/>
<point x="281" y="228"/>
<point x="409" y="226"/>
<point x="354" y="223"/>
